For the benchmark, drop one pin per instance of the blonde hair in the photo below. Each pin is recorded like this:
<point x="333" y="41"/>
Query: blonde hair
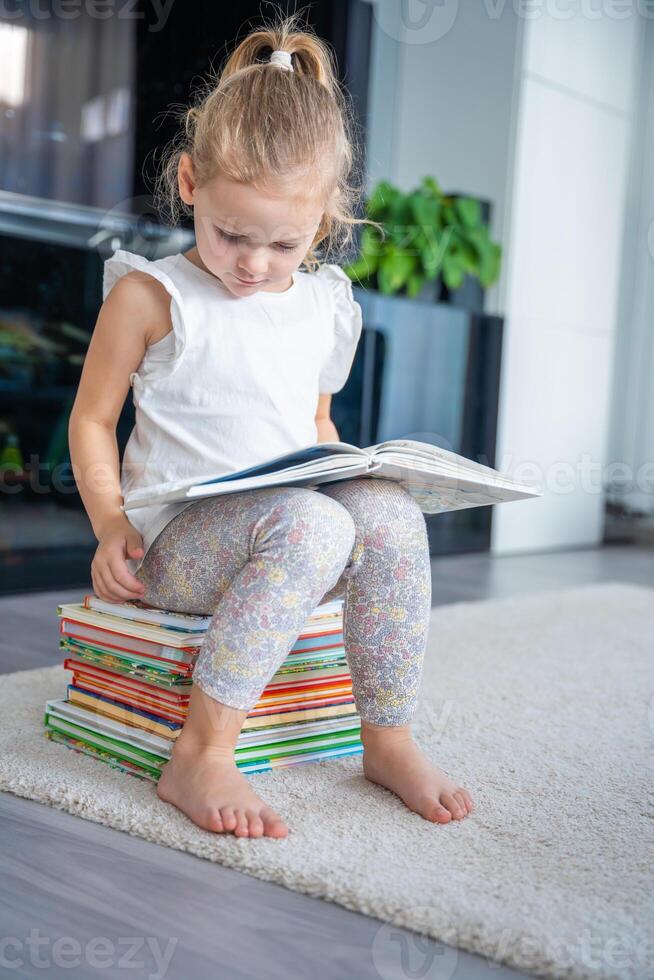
<point x="260" y="123"/>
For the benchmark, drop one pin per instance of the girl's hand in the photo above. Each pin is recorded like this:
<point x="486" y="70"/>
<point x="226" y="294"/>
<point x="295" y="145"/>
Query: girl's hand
<point x="112" y="579"/>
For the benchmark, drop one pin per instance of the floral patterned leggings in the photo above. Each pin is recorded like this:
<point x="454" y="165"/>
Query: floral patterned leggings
<point x="260" y="561"/>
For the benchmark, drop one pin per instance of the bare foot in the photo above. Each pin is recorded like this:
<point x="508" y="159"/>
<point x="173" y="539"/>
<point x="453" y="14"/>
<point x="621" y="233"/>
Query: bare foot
<point x="205" y="783"/>
<point x="399" y="765"/>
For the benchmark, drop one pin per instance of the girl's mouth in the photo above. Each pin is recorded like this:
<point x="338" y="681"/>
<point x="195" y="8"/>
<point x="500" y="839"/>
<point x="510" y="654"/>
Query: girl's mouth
<point x="249" y="282"/>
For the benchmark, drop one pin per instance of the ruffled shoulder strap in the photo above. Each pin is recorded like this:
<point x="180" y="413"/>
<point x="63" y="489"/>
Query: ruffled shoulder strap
<point x="348" y="323"/>
<point x="122" y="262"/>
<point x="338" y="283"/>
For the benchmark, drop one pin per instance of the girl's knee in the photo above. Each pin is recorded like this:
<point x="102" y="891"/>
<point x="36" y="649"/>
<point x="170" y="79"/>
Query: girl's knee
<point x="398" y="497"/>
<point x="375" y="501"/>
<point x="325" y="522"/>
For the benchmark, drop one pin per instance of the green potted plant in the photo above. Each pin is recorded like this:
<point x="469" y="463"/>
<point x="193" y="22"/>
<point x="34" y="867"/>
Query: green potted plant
<point x="422" y="241"/>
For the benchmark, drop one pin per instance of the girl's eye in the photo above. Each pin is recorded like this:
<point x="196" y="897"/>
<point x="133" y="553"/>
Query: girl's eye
<point x="228" y="238"/>
<point x="235" y="238"/>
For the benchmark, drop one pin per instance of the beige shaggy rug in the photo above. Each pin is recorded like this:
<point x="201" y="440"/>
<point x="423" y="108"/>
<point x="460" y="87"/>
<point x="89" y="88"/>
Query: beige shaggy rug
<point x="542" y="706"/>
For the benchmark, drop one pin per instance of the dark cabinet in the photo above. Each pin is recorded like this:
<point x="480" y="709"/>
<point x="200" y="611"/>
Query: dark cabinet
<point x="429" y="372"/>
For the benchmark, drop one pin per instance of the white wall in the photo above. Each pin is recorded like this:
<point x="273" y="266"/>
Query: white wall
<point x="632" y="430"/>
<point x="442" y="101"/>
<point x="537" y="114"/>
<point x="574" y="135"/>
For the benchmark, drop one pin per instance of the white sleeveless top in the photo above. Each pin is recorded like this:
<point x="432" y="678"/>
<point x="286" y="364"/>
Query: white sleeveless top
<point x="236" y="382"/>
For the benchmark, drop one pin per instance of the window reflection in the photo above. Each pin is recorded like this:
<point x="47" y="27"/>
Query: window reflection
<point x="66" y="107"/>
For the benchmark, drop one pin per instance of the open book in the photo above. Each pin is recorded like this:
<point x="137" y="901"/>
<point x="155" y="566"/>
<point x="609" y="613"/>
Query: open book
<point x="439" y="480"/>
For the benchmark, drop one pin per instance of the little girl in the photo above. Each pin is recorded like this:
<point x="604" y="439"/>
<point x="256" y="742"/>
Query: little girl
<point x="233" y="354"/>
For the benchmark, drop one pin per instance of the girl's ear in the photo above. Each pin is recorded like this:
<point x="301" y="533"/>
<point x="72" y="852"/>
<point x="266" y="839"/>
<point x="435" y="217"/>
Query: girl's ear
<point x="186" y="178"/>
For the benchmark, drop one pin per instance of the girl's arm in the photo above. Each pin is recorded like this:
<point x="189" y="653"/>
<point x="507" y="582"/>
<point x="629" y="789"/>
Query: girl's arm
<point x="135" y="309"/>
<point x="326" y="428"/>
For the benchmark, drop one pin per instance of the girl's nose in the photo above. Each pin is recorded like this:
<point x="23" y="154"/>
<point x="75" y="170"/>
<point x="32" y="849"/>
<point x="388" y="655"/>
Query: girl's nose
<point x="252" y="267"/>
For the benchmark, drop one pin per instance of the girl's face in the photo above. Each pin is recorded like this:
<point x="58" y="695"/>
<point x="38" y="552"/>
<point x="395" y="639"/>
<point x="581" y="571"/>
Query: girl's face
<point x="249" y="240"/>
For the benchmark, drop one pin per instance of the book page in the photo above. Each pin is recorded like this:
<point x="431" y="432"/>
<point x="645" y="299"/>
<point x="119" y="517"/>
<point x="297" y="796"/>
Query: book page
<point x="436" y="460"/>
<point x="318" y="458"/>
<point x="436" y="493"/>
<point x="299" y="459"/>
<point x="331" y="469"/>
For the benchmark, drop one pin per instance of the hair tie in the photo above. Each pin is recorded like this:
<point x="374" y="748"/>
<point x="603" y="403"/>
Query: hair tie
<point x="282" y="58"/>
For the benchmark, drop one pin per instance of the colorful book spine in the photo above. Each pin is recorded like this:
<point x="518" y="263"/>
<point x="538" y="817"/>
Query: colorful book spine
<point x="128" y="697"/>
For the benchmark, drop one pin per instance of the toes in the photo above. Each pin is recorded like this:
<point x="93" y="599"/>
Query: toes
<point x="228" y="817"/>
<point x="274" y="826"/>
<point x="249" y="822"/>
<point x="214" y="820"/>
<point x="468" y="799"/>
<point x="452" y="804"/>
<point x="255" y="823"/>
<point x="458" y="795"/>
<point x="433" y="810"/>
<point x="241" y="829"/>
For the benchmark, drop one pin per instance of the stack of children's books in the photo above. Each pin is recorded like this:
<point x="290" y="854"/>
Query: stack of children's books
<point x="132" y="672"/>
